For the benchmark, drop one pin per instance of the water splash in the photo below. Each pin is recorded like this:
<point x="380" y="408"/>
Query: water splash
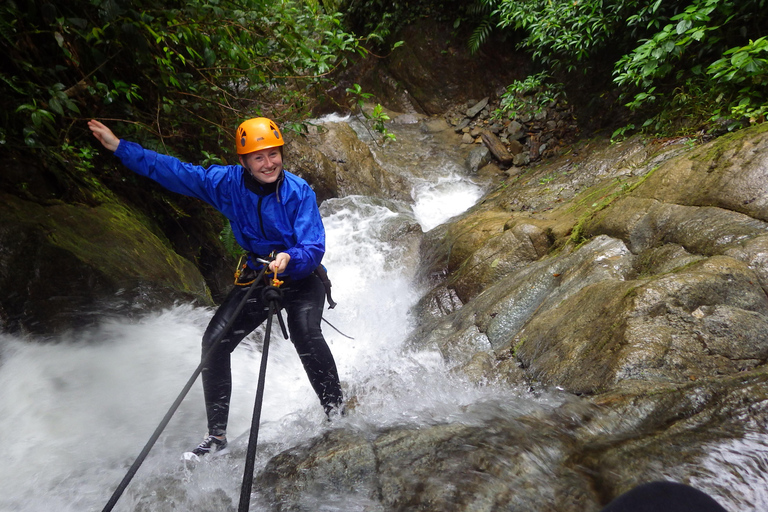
<point x="86" y="405"/>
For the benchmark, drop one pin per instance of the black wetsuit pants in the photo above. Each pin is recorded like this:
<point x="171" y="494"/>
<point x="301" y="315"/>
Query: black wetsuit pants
<point x="303" y="301"/>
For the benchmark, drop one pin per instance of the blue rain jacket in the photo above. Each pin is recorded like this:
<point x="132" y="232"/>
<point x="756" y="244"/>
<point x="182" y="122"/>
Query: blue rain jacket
<point x="286" y="221"/>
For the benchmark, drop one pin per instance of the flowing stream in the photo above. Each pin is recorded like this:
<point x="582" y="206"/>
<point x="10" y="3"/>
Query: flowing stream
<point x="79" y="411"/>
<point x="75" y="414"/>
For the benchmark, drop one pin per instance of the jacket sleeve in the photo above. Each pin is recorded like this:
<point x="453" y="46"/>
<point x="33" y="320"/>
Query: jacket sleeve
<point x="308" y="251"/>
<point x="175" y="175"/>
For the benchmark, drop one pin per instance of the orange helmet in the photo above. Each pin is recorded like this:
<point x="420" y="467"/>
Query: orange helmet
<point x="256" y="134"/>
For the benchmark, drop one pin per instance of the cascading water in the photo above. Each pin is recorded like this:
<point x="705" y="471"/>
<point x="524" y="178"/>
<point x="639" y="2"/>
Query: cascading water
<point x="79" y="411"/>
<point x="75" y="414"/>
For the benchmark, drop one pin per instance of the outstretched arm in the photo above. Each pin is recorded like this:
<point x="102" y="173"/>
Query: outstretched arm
<point x="104" y="134"/>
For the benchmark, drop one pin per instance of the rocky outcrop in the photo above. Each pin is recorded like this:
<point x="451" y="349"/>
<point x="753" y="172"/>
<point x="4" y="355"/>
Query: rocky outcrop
<point x="631" y="278"/>
<point x="63" y="266"/>
<point x="337" y="163"/>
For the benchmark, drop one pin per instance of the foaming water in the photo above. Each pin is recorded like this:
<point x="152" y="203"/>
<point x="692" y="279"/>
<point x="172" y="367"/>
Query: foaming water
<point x="85" y="406"/>
<point x="435" y="201"/>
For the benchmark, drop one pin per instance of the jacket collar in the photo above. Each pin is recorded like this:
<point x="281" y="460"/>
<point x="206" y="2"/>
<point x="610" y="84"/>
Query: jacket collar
<point x="263" y="189"/>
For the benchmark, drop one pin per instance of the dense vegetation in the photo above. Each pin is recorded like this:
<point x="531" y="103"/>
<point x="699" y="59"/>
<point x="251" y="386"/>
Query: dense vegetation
<point x="684" y="65"/>
<point x="180" y="74"/>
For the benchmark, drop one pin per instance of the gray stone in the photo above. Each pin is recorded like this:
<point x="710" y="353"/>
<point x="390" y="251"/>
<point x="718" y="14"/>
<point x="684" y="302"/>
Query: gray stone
<point x="523" y="158"/>
<point x="474" y="110"/>
<point x="462" y="124"/>
<point x="478" y="157"/>
<point x="515" y="130"/>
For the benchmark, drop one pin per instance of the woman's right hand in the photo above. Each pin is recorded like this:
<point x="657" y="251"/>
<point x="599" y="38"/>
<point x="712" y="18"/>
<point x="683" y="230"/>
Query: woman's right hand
<point x="104" y="134"/>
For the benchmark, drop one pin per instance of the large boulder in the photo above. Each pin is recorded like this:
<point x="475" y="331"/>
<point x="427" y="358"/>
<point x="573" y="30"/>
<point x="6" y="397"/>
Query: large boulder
<point x="63" y="265"/>
<point x="632" y="281"/>
<point x="336" y="163"/>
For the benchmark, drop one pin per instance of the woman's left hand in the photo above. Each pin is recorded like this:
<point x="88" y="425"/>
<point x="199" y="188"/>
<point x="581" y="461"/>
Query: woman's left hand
<point x="280" y="262"/>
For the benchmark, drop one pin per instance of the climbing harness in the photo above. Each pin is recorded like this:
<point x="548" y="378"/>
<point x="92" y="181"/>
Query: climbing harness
<point x="244" y="276"/>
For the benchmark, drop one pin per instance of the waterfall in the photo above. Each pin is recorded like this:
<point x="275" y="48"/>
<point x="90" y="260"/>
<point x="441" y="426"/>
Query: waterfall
<point x="78" y="412"/>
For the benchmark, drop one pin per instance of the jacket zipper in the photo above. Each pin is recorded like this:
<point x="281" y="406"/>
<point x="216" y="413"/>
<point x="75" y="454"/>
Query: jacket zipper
<point x="261" y="219"/>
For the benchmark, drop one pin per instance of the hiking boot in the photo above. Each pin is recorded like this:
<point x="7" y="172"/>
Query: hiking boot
<point x="333" y="413"/>
<point x="213" y="445"/>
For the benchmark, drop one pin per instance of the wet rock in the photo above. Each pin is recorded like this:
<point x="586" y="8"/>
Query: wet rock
<point x="515" y="148"/>
<point x="490" y="465"/>
<point x="521" y="159"/>
<point x="353" y="166"/>
<point x="312" y="165"/>
<point x="464" y="123"/>
<point x="477" y="108"/>
<point x="64" y="266"/>
<point x="515" y="130"/>
<point x="491" y="173"/>
<point x="645" y="329"/>
<point x="478" y="158"/>
<point x="434" y="126"/>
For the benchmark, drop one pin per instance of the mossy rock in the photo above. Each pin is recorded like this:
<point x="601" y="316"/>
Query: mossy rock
<point x="61" y="263"/>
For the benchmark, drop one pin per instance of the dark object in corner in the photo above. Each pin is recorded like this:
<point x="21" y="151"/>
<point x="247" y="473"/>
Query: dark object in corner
<point x="664" y="497"/>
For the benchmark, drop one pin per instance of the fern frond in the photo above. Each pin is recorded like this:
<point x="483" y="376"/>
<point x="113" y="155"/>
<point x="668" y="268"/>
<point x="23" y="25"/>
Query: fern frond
<point x="480" y="35"/>
<point x="481" y="7"/>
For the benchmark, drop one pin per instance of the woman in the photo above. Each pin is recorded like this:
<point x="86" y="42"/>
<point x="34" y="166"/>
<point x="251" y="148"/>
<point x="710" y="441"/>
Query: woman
<point x="273" y="213"/>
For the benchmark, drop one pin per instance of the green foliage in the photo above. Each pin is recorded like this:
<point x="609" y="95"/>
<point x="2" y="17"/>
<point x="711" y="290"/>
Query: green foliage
<point x="744" y="68"/>
<point x="561" y="33"/>
<point x="693" y="52"/>
<point x="227" y="239"/>
<point x="483" y="12"/>
<point x="687" y="64"/>
<point x="480" y="34"/>
<point x="378" y="19"/>
<point x="376" y="118"/>
<point x="529" y="96"/>
<point x="656" y="57"/>
<point x="179" y="72"/>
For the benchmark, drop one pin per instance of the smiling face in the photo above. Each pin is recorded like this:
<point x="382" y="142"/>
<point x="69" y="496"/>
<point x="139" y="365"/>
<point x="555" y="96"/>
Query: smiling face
<point x="264" y="165"/>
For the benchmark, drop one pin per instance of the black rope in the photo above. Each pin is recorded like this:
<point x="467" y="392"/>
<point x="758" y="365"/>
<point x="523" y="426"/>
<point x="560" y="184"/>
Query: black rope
<point x="272" y="296"/>
<point x="204" y="360"/>
<point x="337" y="329"/>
